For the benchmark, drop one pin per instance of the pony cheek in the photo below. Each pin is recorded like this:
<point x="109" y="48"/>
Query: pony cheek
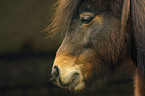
<point x="88" y="72"/>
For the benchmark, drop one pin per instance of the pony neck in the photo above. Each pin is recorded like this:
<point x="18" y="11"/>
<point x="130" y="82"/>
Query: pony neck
<point x="139" y="81"/>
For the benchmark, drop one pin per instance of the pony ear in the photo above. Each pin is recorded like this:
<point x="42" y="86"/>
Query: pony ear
<point x="138" y="19"/>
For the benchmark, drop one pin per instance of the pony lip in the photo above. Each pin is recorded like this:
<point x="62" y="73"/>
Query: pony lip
<point x="72" y="83"/>
<point x="75" y="81"/>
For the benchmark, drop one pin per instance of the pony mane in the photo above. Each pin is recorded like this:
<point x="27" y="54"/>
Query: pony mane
<point x="138" y="20"/>
<point x="61" y="20"/>
<point x="66" y="9"/>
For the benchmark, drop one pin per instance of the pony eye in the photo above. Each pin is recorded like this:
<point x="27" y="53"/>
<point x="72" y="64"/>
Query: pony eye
<point x="86" y="19"/>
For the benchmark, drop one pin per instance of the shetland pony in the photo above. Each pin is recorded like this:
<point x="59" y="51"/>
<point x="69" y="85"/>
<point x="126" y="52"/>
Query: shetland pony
<point x="101" y="36"/>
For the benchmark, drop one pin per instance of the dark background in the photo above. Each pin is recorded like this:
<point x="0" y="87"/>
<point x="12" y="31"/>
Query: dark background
<point x="26" y="55"/>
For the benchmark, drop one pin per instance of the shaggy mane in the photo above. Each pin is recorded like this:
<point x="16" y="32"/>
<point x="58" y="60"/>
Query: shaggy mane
<point x="65" y="9"/>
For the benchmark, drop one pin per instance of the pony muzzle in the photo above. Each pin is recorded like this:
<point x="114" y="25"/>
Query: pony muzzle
<point x="67" y="75"/>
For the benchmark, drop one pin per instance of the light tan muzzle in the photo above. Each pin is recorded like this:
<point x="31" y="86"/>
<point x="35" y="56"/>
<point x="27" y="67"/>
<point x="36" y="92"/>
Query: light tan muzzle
<point x="67" y="74"/>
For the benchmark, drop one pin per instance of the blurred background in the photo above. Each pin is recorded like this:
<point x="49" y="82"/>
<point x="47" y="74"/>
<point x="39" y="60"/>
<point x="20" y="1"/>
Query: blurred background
<point x="26" y="55"/>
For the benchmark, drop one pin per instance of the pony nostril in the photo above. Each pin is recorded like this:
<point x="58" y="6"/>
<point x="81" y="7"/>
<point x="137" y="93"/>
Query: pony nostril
<point x="55" y="72"/>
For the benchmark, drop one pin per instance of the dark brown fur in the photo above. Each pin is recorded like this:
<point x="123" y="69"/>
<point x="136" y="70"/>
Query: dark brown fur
<point x="132" y="17"/>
